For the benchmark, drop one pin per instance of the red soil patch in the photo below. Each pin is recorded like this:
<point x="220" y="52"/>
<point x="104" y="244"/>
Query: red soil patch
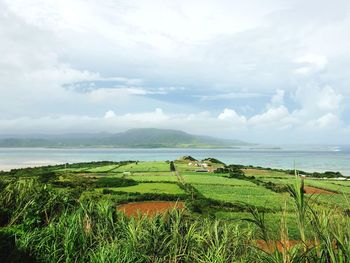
<point x="314" y="190"/>
<point x="149" y="208"/>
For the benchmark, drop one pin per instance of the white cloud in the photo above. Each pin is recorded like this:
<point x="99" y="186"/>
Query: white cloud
<point x="113" y="122"/>
<point x="147" y="117"/>
<point x="233" y="117"/>
<point x="278" y="98"/>
<point x="311" y="63"/>
<point x="110" y="114"/>
<point x="315" y="100"/>
<point x="276" y="121"/>
<point x="328" y="99"/>
<point x="319" y="110"/>
<point x="271" y="116"/>
<point x="31" y="74"/>
<point x="118" y="94"/>
<point x="328" y="120"/>
<point x="157" y="22"/>
<point x="231" y="95"/>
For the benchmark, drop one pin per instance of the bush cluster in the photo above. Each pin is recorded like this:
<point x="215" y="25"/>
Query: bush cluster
<point x="114" y="182"/>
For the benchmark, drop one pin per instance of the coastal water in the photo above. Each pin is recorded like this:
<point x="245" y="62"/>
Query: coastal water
<point x="308" y="158"/>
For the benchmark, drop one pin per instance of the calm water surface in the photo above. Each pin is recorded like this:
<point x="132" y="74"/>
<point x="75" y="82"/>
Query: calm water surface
<point x="310" y="158"/>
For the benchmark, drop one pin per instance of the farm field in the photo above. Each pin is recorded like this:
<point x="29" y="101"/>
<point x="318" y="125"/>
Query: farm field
<point x="102" y="169"/>
<point x="153" y="178"/>
<point x="330" y="185"/>
<point x="144" y="167"/>
<point x="156" y="188"/>
<point x="89" y="197"/>
<point x="212" y="179"/>
<point x="264" y="173"/>
<point x="250" y="195"/>
<point x="73" y="170"/>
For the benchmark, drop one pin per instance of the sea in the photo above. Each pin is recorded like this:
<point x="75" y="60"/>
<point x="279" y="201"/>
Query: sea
<point x="302" y="157"/>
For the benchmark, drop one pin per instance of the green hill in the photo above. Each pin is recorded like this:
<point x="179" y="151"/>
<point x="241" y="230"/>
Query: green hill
<point x="134" y="138"/>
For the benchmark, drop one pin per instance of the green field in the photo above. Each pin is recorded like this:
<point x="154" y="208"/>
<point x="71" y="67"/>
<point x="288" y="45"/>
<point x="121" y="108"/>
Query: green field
<point x="70" y="213"/>
<point x="153" y="178"/>
<point x="336" y="201"/>
<point x="285" y="181"/>
<point x="213" y="179"/>
<point x="329" y="185"/>
<point x="251" y="195"/>
<point x="157" y="188"/>
<point x="102" y="169"/>
<point x="73" y="170"/>
<point x="144" y="167"/>
<point x="264" y="173"/>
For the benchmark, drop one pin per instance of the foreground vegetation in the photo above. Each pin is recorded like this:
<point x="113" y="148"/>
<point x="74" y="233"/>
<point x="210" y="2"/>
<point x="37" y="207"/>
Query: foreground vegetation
<point x="68" y="214"/>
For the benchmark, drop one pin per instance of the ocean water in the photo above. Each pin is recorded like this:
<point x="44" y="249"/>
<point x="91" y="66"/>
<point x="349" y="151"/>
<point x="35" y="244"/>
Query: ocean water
<point x="308" y="158"/>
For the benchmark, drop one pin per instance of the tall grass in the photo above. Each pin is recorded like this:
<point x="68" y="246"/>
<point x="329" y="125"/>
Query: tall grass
<point x="26" y="201"/>
<point x="97" y="233"/>
<point x="53" y="226"/>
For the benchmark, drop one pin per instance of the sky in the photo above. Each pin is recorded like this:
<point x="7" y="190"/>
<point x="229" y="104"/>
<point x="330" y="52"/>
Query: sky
<point x="272" y="71"/>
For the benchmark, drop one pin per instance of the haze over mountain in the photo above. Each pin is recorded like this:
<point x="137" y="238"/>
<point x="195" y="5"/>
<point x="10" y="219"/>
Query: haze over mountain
<point x="133" y="138"/>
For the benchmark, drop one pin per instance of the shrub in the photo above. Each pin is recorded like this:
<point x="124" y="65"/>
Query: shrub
<point x="213" y="160"/>
<point x="9" y="251"/>
<point x="47" y="177"/>
<point x="114" y="182"/>
<point x="236" y="173"/>
<point x="172" y="166"/>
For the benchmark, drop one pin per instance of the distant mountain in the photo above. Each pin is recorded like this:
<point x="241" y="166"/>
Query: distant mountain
<point x="134" y="138"/>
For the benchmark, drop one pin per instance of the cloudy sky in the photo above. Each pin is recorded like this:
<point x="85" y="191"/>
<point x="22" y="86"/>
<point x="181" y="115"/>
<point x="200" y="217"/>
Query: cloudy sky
<point x="272" y="71"/>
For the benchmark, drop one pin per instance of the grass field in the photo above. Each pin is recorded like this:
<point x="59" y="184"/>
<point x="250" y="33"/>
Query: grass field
<point x="157" y="188"/>
<point x="102" y="169"/>
<point x="331" y="185"/>
<point x="73" y="170"/>
<point x="166" y="173"/>
<point x="153" y="178"/>
<point x="342" y="183"/>
<point x="252" y="195"/>
<point x="338" y="201"/>
<point x="144" y="167"/>
<point x="70" y="214"/>
<point x="277" y="180"/>
<point x="212" y="179"/>
<point x="264" y="173"/>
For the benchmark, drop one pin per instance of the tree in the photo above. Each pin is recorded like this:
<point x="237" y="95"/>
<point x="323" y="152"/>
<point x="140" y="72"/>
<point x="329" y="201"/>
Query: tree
<point x="172" y="166"/>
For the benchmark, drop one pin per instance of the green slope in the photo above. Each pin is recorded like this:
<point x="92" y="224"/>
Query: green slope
<point x="134" y="138"/>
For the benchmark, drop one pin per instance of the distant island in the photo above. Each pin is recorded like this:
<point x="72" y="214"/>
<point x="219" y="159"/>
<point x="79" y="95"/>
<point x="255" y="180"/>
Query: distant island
<point x="133" y="138"/>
